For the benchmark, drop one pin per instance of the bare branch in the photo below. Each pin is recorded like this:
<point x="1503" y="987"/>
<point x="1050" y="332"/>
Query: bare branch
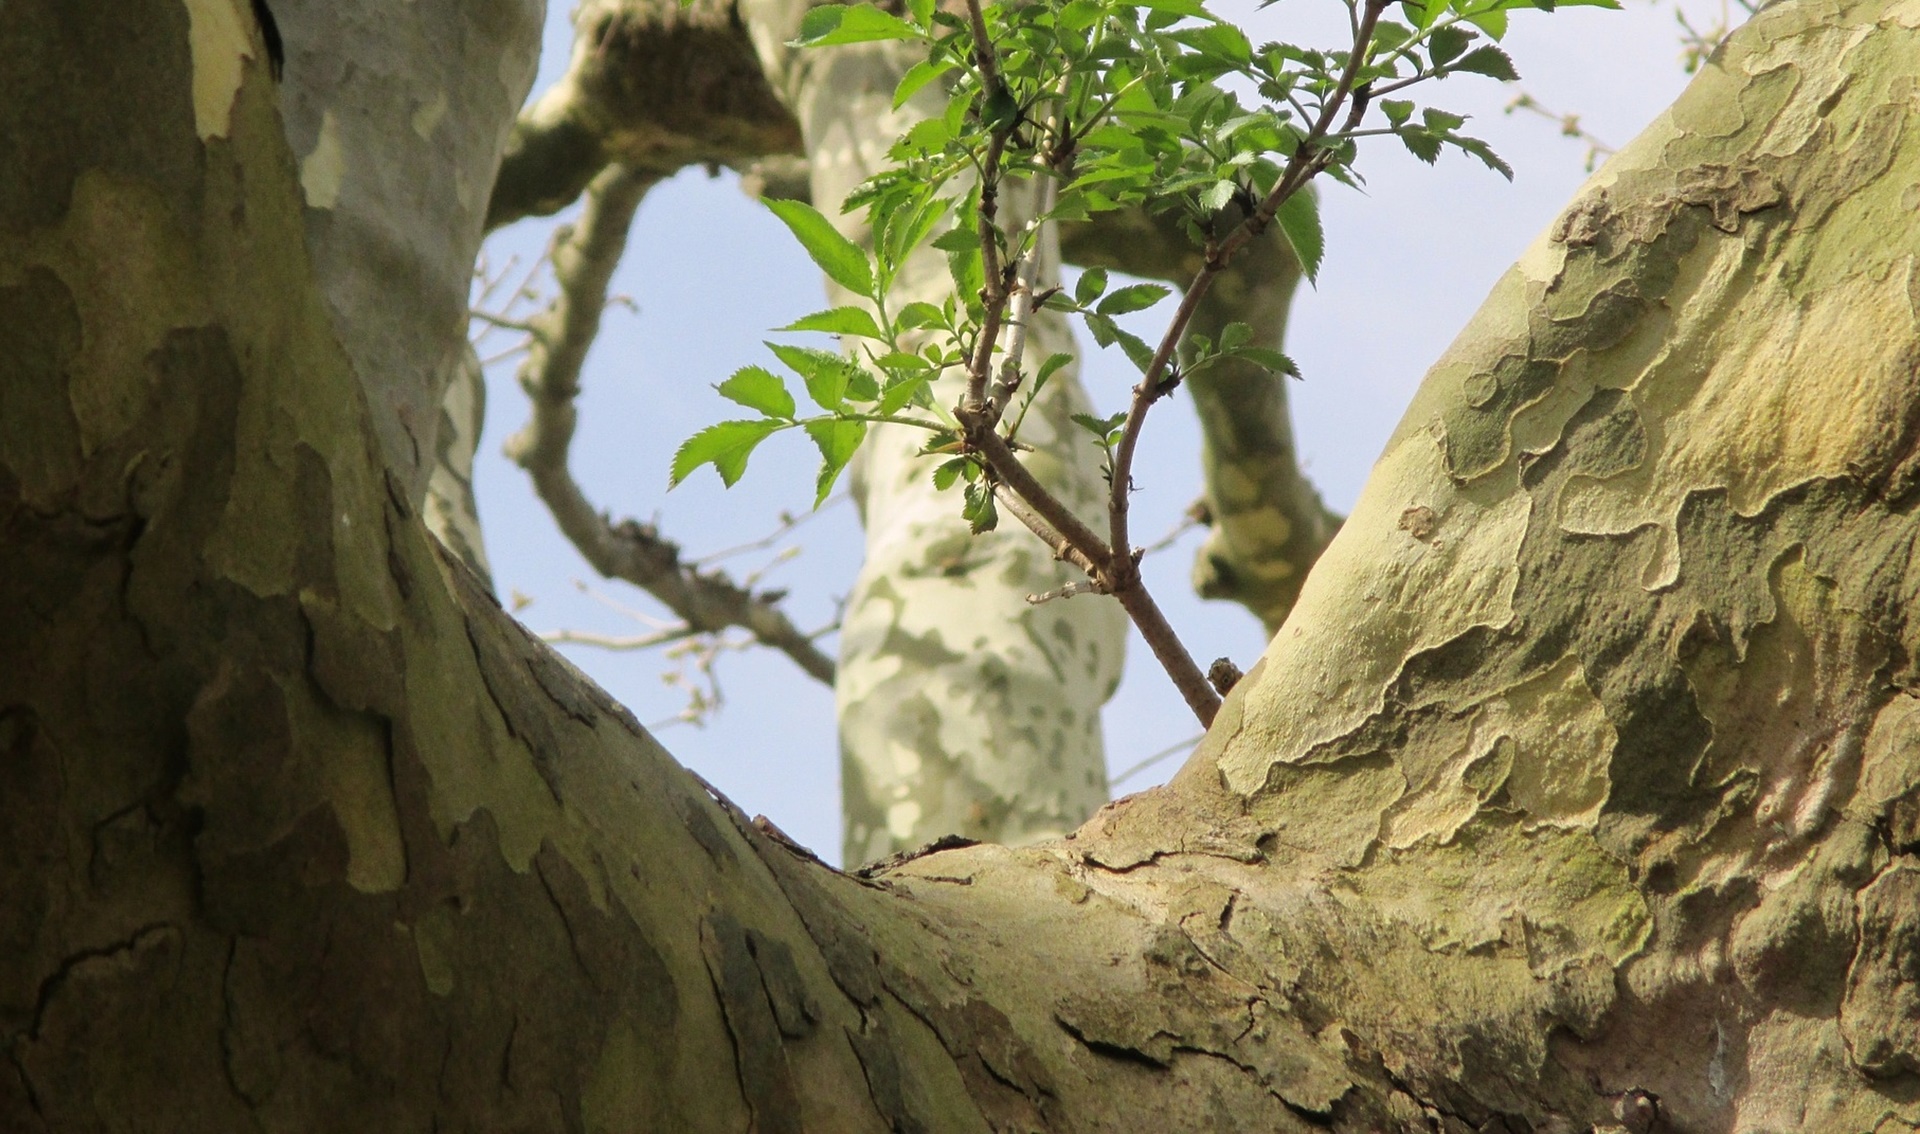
<point x="584" y="258"/>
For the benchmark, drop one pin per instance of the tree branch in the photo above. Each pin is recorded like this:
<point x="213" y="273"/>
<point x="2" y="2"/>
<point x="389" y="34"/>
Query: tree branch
<point x="584" y="258"/>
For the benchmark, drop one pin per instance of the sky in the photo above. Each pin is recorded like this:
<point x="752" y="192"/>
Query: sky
<point x="709" y="271"/>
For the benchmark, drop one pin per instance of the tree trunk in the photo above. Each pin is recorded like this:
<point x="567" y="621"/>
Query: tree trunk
<point x="1580" y="788"/>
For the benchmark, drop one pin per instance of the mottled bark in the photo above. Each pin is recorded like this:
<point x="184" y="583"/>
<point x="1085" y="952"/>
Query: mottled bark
<point x="398" y="124"/>
<point x="1578" y="791"/>
<point x="963" y="708"/>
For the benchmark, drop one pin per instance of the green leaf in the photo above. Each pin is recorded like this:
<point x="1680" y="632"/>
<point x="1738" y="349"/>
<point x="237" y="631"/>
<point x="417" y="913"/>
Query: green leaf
<point x="1104" y="428"/>
<point x="1054" y="362"/>
<point x="1177" y="7"/>
<point x="979" y="511"/>
<point x="839" y="321"/>
<point x="1490" y="61"/>
<point x="1218" y="41"/>
<point x="1000" y="111"/>
<point x="917" y="76"/>
<point x="1138" y="352"/>
<point x="1446" y="44"/>
<point x="1397" y="110"/>
<point x="1271" y="359"/>
<point x="844" y="261"/>
<point x="922" y="13"/>
<point x="959" y="238"/>
<point x="837" y="440"/>
<point x="826" y="374"/>
<point x="947" y="475"/>
<point x="1134" y="297"/>
<point x="1493" y="22"/>
<point x="1423" y="145"/>
<point x="758" y="389"/>
<point x="1216" y="196"/>
<point x="1442" y="122"/>
<point x="899" y="392"/>
<point x="1092" y="285"/>
<point x="1234" y="336"/>
<point x="829" y="24"/>
<point x="725" y="446"/>
<point x="919" y="313"/>
<point x="1299" y="221"/>
<point x="1485" y="153"/>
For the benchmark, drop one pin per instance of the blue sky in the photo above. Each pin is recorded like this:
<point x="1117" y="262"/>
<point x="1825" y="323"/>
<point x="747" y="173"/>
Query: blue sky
<point x="710" y="271"/>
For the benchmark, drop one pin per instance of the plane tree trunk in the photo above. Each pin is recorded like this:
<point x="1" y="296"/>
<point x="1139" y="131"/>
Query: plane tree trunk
<point x="1580" y="788"/>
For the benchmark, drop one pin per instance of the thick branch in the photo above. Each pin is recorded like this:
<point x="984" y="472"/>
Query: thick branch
<point x="654" y="85"/>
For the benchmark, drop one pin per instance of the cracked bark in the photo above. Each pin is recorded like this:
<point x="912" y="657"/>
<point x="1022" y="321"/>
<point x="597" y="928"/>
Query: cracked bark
<point x="1605" y="792"/>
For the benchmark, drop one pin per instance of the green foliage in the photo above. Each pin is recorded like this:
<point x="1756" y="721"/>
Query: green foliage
<point x="1073" y="108"/>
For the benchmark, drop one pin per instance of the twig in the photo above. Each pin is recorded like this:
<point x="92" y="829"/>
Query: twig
<point x="584" y="259"/>
<point x="1150" y="761"/>
<point x="788" y="523"/>
<point x="620" y="642"/>
<point x="1082" y="587"/>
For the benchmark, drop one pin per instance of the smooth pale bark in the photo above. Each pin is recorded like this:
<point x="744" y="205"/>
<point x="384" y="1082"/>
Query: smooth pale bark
<point x="963" y="708"/>
<point x="398" y="123"/>
<point x="1584" y="771"/>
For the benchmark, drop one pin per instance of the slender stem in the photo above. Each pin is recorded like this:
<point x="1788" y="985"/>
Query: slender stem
<point x="1167" y="648"/>
<point x="1006" y="465"/>
<point x="1308" y="159"/>
<point x="1046" y="191"/>
<point x="1063" y="548"/>
<point x="993" y="291"/>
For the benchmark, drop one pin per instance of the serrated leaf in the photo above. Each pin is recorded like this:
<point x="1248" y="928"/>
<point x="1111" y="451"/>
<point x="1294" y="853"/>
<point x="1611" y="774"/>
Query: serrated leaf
<point x="826" y="375"/>
<point x="1216" y="196"/>
<point x="1138" y="352"/>
<point x="921" y="11"/>
<point x="1490" y="61"/>
<point x="844" y="261"/>
<point x="1441" y="121"/>
<point x="1299" y="221"/>
<point x="979" y="512"/>
<point x="726" y="446"/>
<point x="1091" y="286"/>
<point x="837" y="440"/>
<point x="1219" y="41"/>
<point x="1423" y="145"/>
<point x="919" y="313"/>
<point x="1446" y="44"/>
<point x="1234" y="336"/>
<point x="896" y="395"/>
<point x="758" y="389"/>
<point x="1487" y="157"/>
<point x="917" y="76"/>
<point x="856" y="321"/>
<point x="829" y="24"/>
<point x="1397" y="110"/>
<point x="1271" y="359"/>
<point x="947" y="474"/>
<point x="1133" y="297"/>
<point x="959" y="238"/>
<point x="1101" y="427"/>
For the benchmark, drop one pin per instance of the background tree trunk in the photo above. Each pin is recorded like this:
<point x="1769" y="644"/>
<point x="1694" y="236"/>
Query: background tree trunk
<point x="1579" y="788"/>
